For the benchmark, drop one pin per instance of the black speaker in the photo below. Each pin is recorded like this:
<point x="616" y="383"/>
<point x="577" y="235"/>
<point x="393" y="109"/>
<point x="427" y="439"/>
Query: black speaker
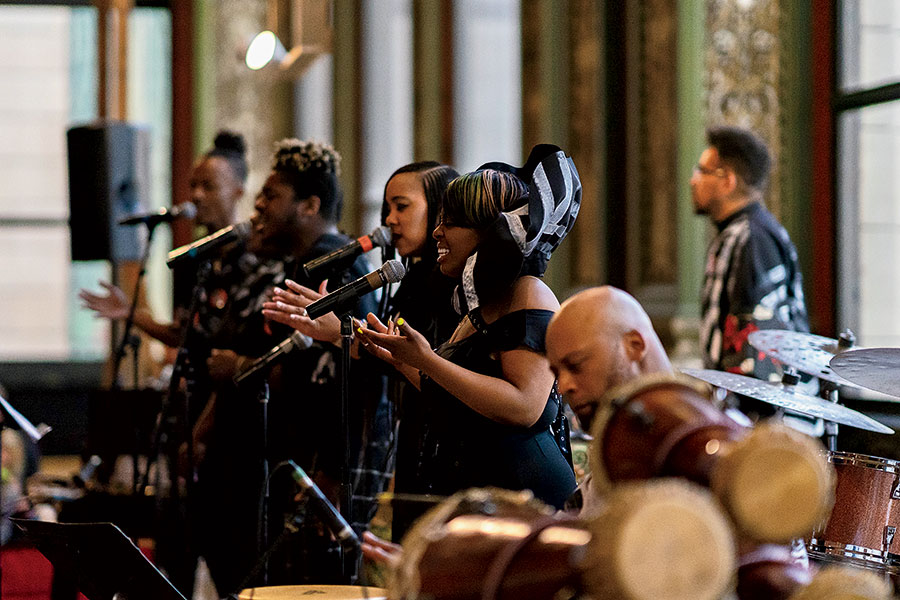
<point x="108" y="165"/>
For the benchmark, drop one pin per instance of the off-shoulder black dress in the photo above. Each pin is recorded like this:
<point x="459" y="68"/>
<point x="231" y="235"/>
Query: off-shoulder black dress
<point x="461" y="448"/>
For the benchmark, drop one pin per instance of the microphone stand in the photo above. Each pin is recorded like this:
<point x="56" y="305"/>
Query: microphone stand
<point x="346" y="489"/>
<point x="126" y="340"/>
<point x="262" y="532"/>
<point x="263" y="540"/>
<point x="133" y="342"/>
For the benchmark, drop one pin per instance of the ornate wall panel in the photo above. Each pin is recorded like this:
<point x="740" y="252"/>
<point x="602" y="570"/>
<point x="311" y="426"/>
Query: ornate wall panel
<point x="743" y="65"/>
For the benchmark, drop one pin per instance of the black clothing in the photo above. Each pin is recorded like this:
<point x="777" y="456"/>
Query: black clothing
<point x="753" y="281"/>
<point x="462" y="448"/>
<point x="303" y="424"/>
<point x="423" y="300"/>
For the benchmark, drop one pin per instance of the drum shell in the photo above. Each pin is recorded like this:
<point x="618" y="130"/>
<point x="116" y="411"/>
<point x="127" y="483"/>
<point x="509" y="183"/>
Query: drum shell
<point x="770" y="572"/>
<point x="538" y="570"/>
<point x="505" y="548"/>
<point x="664" y="430"/>
<point x="867" y="505"/>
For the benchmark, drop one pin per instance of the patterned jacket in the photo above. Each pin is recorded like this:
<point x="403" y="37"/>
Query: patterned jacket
<point x="752" y="281"/>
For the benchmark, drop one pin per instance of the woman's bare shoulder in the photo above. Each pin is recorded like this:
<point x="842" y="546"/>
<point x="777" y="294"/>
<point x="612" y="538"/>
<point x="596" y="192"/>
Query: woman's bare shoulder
<point x="532" y="293"/>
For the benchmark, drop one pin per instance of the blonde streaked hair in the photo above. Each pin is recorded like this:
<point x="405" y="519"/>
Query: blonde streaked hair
<point x="476" y="199"/>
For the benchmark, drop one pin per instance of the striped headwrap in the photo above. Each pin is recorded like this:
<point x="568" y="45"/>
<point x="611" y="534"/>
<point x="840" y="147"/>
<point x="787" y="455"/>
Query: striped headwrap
<point x="521" y="240"/>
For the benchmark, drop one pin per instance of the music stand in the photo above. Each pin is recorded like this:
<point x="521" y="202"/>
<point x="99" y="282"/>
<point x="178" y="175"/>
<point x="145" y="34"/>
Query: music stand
<point x="104" y="562"/>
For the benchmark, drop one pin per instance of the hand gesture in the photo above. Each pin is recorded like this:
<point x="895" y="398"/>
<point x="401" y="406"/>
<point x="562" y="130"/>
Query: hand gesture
<point x="114" y="305"/>
<point x="395" y="342"/>
<point x="288" y="306"/>
<point x="381" y="551"/>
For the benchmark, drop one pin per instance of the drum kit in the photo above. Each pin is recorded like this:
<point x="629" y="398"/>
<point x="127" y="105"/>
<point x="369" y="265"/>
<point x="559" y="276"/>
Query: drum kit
<point x="866" y="513"/>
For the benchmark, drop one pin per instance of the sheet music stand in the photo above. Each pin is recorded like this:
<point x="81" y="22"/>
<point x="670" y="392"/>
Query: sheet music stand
<point x="104" y="562"/>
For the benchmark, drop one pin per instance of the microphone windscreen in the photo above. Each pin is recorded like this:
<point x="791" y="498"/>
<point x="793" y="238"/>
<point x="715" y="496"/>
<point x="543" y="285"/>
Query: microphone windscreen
<point x="393" y="271"/>
<point x="381" y="236"/>
<point x="186" y="210"/>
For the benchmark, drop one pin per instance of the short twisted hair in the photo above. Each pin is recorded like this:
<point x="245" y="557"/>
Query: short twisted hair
<point x="312" y="169"/>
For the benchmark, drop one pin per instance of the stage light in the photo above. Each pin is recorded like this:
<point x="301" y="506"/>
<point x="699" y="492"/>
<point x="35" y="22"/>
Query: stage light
<point x="263" y="50"/>
<point x="309" y="29"/>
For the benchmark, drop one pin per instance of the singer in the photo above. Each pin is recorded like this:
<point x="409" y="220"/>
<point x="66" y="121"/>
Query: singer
<point x="226" y="321"/>
<point x="492" y="414"/>
<point x="410" y="205"/>
<point x="294" y="221"/>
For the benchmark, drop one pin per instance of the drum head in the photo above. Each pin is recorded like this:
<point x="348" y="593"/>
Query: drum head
<point x="325" y="592"/>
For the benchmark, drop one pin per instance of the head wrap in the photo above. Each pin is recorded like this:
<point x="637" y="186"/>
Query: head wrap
<point x="521" y="240"/>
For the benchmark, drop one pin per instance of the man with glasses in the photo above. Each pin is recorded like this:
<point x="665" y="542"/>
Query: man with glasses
<point x="752" y="277"/>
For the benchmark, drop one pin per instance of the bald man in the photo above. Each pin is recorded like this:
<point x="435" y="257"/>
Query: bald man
<point x="601" y="338"/>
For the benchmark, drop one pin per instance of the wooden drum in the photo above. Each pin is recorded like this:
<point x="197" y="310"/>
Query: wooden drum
<point x="774" y="482"/>
<point x="489" y="543"/>
<point x="650" y="540"/>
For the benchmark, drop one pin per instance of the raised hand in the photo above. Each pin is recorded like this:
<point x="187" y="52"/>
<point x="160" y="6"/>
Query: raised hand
<point x="288" y="306"/>
<point x="396" y="343"/>
<point x="114" y="305"/>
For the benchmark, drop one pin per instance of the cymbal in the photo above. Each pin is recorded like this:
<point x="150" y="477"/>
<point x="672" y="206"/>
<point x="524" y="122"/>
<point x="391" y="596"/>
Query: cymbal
<point x="789" y="399"/>
<point x="806" y="352"/>
<point x="872" y="368"/>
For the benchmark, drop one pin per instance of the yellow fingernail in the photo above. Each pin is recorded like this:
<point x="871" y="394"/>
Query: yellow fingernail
<point x="359" y="329"/>
<point x="400" y="321"/>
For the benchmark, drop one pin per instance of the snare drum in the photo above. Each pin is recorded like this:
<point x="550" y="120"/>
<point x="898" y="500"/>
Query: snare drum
<point x="323" y="592"/>
<point x="866" y="514"/>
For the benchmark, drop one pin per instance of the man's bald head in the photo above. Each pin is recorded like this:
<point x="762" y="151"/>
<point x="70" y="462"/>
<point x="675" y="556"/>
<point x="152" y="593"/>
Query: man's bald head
<point x="601" y="338"/>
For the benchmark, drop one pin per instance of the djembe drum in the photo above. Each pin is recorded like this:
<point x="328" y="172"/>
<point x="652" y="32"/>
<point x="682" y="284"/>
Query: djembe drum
<point x="773" y="481"/>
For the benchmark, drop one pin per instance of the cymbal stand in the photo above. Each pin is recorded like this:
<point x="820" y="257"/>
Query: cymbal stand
<point x="829" y="390"/>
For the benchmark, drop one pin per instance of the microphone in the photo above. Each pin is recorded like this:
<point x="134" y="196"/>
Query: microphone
<point x="343" y="257"/>
<point x="205" y="245"/>
<point x="295" y="341"/>
<point x="185" y="210"/>
<point x="342" y="298"/>
<point x="336" y="523"/>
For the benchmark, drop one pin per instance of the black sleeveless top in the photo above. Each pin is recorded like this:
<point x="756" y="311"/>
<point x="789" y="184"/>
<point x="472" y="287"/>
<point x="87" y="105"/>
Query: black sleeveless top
<point x="461" y="448"/>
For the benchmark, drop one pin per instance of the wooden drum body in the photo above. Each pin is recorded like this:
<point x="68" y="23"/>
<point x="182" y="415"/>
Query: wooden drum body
<point x="772" y="480"/>
<point x="489" y="543"/>
<point x="863" y="526"/>
<point x="659" y="427"/>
